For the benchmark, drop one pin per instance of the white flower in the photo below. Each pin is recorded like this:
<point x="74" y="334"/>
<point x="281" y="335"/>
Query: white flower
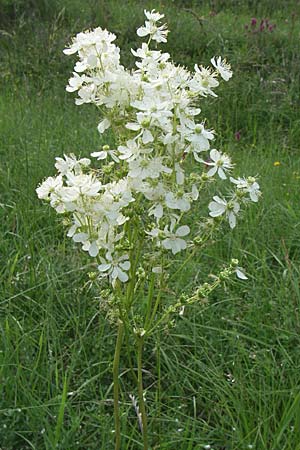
<point x="49" y="185"/>
<point x="222" y="67"/>
<point x="132" y="150"/>
<point x="84" y="184"/>
<point x="153" y="16"/>
<point x="116" y="267"/>
<point x="158" y="34"/>
<point x="174" y="241"/>
<point x="147" y="168"/>
<point x="84" y="42"/>
<point x="75" y="82"/>
<point x="71" y="163"/>
<point x="86" y="94"/>
<point x="87" y="245"/>
<point x="159" y="111"/>
<point x="198" y="136"/>
<point x="156" y="195"/>
<point x="248" y="185"/>
<point x="203" y="81"/>
<point x="104" y="153"/>
<point x="220" y="163"/>
<point x="152" y="109"/>
<point x="178" y="200"/>
<point x="142" y="124"/>
<point x="220" y="206"/>
<point x="217" y="207"/>
<point x="144" y="52"/>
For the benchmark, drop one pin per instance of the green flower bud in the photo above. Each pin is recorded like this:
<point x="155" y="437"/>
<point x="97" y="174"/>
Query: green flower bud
<point x="93" y="275"/>
<point x="197" y="240"/>
<point x="234" y="262"/>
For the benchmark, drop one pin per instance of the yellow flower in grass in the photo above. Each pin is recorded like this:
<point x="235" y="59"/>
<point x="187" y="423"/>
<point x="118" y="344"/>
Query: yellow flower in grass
<point x="277" y="163"/>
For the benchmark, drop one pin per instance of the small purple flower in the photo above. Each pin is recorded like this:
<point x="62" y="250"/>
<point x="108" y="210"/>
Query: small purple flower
<point x="237" y="136"/>
<point x="253" y="22"/>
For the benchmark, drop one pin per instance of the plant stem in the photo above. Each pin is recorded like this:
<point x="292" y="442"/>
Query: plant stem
<point x="116" y="385"/>
<point x="141" y="393"/>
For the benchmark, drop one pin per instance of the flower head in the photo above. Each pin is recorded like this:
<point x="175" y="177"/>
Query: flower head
<point x="116" y="267"/>
<point x="173" y="239"/>
<point x="222" y="67"/>
<point x="220" y="206"/>
<point x="152" y="112"/>
<point x="220" y="163"/>
<point x="157" y="33"/>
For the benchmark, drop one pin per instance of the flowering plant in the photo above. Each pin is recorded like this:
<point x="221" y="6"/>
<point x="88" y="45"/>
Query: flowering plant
<point x="258" y="27"/>
<point x="129" y="208"/>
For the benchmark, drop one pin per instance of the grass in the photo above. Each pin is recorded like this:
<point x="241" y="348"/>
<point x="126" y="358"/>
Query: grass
<point x="228" y="374"/>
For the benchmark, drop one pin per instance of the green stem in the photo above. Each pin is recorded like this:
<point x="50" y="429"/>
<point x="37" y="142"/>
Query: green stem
<point x="116" y="385"/>
<point x="179" y="270"/>
<point x="141" y="393"/>
<point x="129" y="356"/>
<point x="158" y="392"/>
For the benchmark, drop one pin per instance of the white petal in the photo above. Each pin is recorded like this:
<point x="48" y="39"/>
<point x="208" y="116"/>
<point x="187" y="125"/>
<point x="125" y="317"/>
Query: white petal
<point x="133" y="126"/>
<point x="253" y="196"/>
<point x="99" y="155"/>
<point x="157" y="269"/>
<point x="213" y="61"/>
<point x="125" y="265"/>
<point x="197" y="158"/>
<point x="72" y="230"/>
<point x="212" y="171"/>
<point x="219" y="200"/>
<point x="103" y="125"/>
<point x="104" y="267"/>
<point x="142" y="31"/>
<point x="216" y="209"/>
<point x="214" y="154"/>
<point x="178" y="245"/>
<point x="232" y="219"/>
<point x="195" y="192"/>
<point x="167" y="243"/>
<point x="93" y="250"/>
<point x="221" y="173"/>
<point x="158" y="211"/>
<point x="70" y="51"/>
<point x="92" y="60"/>
<point x="147" y="137"/>
<point x="122" y="275"/>
<point x="80" y="237"/>
<point x="114" y="156"/>
<point x="236" y="207"/>
<point x="183" y="230"/>
<point x="240" y="274"/>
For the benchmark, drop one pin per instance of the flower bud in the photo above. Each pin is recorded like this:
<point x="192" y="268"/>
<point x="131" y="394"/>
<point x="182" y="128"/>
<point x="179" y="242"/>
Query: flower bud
<point x="140" y="273"/>
<point x="197" y="240"/>
<point x="93" y="275"/>
<point x="234" y="262"/>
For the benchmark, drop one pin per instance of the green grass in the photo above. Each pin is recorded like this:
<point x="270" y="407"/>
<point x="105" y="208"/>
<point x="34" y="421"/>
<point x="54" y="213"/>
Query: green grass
<point x="228" y="374"/>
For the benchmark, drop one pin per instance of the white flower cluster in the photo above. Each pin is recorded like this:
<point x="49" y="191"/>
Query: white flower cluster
<point x="152" y="112"/>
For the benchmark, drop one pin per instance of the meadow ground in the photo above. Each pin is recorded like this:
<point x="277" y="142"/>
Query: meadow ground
<point x="227" y="376"/>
